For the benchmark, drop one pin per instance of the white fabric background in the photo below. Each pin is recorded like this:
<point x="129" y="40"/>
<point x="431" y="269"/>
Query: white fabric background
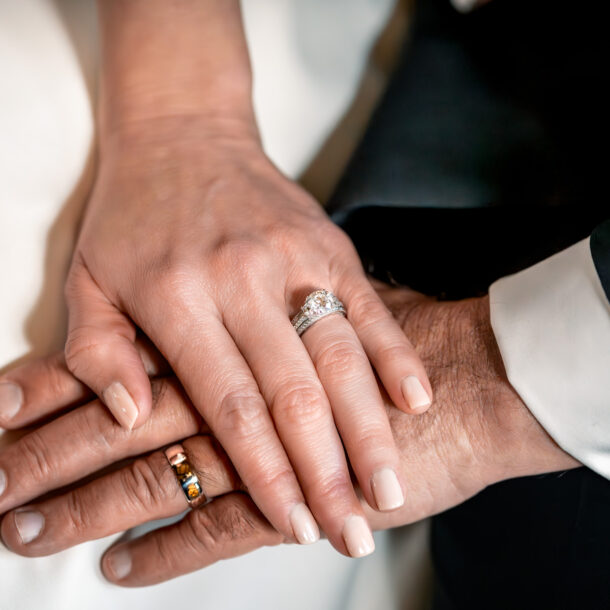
<point x="307" y="58"/>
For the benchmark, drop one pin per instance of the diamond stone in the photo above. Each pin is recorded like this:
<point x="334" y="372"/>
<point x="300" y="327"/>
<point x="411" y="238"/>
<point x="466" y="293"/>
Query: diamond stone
<point x="318" y="303"/>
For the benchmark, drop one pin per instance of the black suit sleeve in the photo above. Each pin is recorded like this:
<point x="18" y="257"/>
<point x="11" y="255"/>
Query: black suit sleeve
<point x="600" y="250"/>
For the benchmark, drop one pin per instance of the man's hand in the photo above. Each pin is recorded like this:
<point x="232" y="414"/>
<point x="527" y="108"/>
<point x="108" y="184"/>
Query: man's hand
<point x="478" y="433"/>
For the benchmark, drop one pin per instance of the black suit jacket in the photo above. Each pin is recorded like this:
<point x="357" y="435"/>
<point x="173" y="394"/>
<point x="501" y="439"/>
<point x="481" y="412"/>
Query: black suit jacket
<point x="486" y="155"/>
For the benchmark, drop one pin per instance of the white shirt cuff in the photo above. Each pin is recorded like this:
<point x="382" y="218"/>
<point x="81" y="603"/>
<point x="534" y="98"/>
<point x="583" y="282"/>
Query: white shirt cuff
<point x="552" y="325"/>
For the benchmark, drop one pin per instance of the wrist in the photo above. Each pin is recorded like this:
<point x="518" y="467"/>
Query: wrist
<point x="166" y="59"/>
<point x="518" y="445"/>
<point x="177" y="133"/>
<point x="460" y="352"/>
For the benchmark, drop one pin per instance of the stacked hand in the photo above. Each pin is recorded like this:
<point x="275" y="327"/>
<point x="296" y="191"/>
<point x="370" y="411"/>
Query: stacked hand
<point x="479" y="433"/>
<point x="166" y="243"/>
<point x="193" y="236"/>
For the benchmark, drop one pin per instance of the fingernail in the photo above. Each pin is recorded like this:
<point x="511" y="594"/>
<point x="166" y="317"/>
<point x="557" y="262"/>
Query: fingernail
<point x="2" y="481"/>
<point x="11" y="400"/>
<point x="357" y="536"/>
<point x="119" y="401"/>
<point x="387" y="490"/>
<point x="29" y="524"/>
<point x="304" y="525"/>
<point x="415" y="395"/>
<point x="119" y="563"/>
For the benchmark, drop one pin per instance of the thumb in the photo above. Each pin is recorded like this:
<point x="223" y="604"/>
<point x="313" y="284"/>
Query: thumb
<point x="100" y="350"/>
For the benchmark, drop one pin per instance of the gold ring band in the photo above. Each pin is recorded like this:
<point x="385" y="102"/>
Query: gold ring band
<point x="187" y="479"/>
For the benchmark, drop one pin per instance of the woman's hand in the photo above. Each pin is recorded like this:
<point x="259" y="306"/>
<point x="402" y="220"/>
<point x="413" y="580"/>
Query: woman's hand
<point x="193" y="236"/>
<point x="209" y="250"/>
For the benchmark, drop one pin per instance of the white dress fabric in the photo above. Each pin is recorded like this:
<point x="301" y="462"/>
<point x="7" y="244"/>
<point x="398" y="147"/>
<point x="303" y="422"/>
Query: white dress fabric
<point x="307" y="59"/>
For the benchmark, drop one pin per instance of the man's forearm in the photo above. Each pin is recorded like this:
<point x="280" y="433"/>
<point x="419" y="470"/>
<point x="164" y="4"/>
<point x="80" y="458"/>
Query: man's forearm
<point x="166" y="59"/>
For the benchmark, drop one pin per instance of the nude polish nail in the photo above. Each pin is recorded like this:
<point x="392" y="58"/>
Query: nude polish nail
<point x="121" y="404"/>
<point x="414" y="393"/>
<point x="29" y="524"/>
<point x="387" y="490"/>
<point x="2" y="481"/>
<point x="358" y="537"/>
<point x="11" y="400"/>
<point x="119" y="563"/>
<point x="304" y="525"/>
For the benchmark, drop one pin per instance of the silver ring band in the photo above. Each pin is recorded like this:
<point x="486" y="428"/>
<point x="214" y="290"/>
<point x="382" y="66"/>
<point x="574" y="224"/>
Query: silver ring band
<point x="318" y="305"/>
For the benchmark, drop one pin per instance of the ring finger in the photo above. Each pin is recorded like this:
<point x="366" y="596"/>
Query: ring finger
<point x="145" y="490"/>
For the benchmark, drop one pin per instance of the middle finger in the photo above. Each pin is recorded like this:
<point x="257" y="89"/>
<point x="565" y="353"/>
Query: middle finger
<point x="304" y="421"/>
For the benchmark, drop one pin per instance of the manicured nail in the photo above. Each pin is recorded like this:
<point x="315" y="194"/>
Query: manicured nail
<point x="118" y="400"/>
<point x="2" y="481"/>
<point x="119" y="563"/>
<point x="387" y="490"/>
<point x="11" y="400"/>
<point x="29" y="524"/>
<point x="304" y="525"/>
<point x="357" y="536"/>
<point x="415" y="395"/>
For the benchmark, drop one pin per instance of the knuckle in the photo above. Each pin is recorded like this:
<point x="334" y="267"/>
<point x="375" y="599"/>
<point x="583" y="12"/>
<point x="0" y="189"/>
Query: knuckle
<point x="296" y="404"/>
<point x="373" y="444"/>
<point x="334" y="238"/>
<point x="241" y="414"/>
<point x="202" y="533"/>
<point x="84" y="349"/>
<point x="175" y="272"/>
<point x="366" y="311"/>
<point x="246" y="255"/>
<point x="234" y="521"/>
<point x="143" y="485"/>
<point x="78" y="516"/>
<point x="395" y="352"/>
<point x="213" y="529"/>
<point x="94" y="430"/>
<point x="37" y="457"/>
<point x="167" y="556"/>
<point x="340" y="360"/>
<point x="54" y="376"/>
<point x="170" y="279"/>
<point x="334" y="489"/>
<point x="278" y="479"/>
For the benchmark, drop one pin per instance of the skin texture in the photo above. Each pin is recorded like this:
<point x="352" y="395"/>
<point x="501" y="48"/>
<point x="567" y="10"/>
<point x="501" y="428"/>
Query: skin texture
<point x="478" y="433"/>
<point x="194" y="237"/>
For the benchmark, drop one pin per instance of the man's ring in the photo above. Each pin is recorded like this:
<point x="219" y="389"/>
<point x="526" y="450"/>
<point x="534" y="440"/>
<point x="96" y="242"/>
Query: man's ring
<point x="187" y="478"/>
<point x="318" y="305"/>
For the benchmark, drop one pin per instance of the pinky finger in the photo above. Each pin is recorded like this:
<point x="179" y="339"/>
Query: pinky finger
<point x="227" y="527"/>
<point x="391" y="353"/>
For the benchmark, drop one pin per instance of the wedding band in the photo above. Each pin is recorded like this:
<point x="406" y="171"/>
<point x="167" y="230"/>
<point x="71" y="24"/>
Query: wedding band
<point x="187" y="478"/>
<point x="318" y="305"/>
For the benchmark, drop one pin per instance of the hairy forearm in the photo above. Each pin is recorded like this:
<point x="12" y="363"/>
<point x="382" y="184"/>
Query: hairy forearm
<point x="168" y="58"/>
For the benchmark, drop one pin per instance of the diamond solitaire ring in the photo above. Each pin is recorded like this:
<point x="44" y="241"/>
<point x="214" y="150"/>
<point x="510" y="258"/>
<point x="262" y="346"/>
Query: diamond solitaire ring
<point x="318" y="305"/>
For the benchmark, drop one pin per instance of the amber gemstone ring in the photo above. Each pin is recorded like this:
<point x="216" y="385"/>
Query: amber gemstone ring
<point x="186" y="476"/>
<point x="318" y="305"/>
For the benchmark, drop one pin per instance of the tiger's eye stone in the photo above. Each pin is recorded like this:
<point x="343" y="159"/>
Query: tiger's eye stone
<point x="182" y="469"/>
<point x="193" y="491"/>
